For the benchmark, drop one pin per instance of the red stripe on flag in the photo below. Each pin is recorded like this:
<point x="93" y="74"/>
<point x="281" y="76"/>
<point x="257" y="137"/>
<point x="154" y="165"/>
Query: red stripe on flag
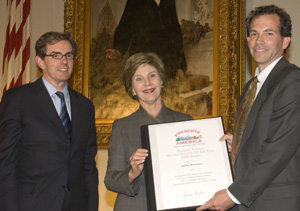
<point x="4" y="90"/>
<point x="26" y="53"/>
<point x="5" y="52"/>
<point x="26" y="56"/>
<point x="26" y="9"/>
<point x="18" y="41"/>
<point x="26" y="49"/>
<point x="19" y="33"/>
<point x="16" y="52"/>
<point x="12" y="84"/>
<point x="11" y="42"/>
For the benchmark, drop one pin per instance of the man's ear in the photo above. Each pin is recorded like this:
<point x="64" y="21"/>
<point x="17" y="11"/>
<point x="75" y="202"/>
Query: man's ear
<point x="286" y="42"/>
<point x="40" y="63"/>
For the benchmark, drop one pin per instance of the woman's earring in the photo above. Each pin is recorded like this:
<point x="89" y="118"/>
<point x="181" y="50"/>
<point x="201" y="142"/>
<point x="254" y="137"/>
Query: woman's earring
<point x="133" y="94"/>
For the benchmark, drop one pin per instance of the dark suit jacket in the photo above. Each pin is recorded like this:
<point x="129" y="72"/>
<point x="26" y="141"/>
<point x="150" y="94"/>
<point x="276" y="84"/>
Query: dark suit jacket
<point x="267" y="166"/>
<point x="125" y="140"/>
<point x="36" y="158"/>
<point x="146" y="27"/>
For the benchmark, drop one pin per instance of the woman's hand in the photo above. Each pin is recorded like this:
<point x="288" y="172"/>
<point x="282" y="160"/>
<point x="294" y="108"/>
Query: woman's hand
<point x="229" y="139"/>
<point x="137" y="161"/>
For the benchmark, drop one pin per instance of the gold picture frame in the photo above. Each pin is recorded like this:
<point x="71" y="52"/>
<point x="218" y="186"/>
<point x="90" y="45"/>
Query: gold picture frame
<point x="229" y="58"/>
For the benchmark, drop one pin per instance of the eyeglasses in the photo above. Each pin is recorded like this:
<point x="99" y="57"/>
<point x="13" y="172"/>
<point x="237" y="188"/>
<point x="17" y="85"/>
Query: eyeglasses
<point x="69" y="56"/>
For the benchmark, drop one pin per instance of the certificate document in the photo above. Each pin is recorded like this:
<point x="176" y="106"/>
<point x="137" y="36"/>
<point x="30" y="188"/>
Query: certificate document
<point x="187" y="163"/>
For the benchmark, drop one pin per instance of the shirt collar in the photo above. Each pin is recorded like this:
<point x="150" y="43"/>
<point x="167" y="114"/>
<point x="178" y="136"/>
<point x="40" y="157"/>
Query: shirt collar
<point x="262" y="76"/>
<point x="52" y="90"/>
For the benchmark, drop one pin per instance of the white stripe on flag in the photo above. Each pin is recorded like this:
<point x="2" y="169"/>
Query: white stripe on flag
<point x="16" y="55"/>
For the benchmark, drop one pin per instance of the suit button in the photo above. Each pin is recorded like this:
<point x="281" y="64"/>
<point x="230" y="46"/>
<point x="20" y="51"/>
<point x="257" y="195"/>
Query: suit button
<point x="66" y="188"/>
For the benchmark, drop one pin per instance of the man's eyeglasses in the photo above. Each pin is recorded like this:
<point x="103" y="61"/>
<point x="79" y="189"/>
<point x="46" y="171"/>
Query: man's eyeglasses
<point x="69" y="56"/>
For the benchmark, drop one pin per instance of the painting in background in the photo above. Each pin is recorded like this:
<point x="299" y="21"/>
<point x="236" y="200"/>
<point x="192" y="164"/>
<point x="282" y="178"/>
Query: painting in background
<point x="192" y="95"/>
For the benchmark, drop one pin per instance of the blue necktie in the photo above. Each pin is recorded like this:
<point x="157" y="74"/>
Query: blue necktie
<point x="64" y="116"/>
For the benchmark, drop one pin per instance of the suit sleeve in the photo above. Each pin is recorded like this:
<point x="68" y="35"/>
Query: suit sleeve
<point x="280" y="145"/>
<point x="116" y="178"/>
<point x="10" y="135"/>
<point x="91" y="173"/>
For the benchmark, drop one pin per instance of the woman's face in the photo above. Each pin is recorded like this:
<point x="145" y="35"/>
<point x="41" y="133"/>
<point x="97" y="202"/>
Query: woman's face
<point x="146" y="84"/>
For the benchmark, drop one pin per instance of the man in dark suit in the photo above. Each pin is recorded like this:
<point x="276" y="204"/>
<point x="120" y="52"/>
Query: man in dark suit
<point x="43" y="165"/>
<point x="267" y="162"/>
<point x="151" y="26"/>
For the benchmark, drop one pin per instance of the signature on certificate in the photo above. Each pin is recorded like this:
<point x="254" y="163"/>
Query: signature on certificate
<point x="196" y="193"/>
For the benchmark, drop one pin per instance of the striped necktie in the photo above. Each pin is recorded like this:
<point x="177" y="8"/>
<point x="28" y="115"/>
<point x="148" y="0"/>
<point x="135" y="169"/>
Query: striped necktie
<point x="64" y="116"/>
<point x="242" y="118"/>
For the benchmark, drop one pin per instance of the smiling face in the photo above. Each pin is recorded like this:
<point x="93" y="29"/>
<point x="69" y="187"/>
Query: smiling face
<point x="146" y="84"/>
<point x="265" y="42"/>
<point x="57" y="71"/>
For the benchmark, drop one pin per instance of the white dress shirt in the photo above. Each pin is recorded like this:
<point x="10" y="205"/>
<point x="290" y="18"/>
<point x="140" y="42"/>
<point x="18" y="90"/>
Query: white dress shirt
<point x="56" y="100"/>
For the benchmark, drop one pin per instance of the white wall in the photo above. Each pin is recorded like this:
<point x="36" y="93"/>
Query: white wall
<point x="45" y="16"/>
<point x="106" y="198"/>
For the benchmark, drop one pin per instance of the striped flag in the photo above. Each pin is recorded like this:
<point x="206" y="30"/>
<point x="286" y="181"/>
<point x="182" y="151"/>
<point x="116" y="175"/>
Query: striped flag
<point x="16" y="63"/>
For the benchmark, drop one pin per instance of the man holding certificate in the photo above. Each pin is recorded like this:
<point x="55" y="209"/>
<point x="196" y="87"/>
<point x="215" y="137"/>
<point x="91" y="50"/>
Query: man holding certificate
<point x="265" y="143"/>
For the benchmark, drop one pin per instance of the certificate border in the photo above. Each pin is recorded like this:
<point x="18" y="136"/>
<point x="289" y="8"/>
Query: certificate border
<point x="148" y="171"/>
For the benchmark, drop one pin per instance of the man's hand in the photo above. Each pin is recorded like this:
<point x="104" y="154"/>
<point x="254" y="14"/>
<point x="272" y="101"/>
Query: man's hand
<point x="229" y="139"/>
<point x="220" y="201"/>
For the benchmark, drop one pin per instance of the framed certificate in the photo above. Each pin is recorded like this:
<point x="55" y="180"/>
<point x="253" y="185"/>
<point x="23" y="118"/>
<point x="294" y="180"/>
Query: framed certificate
<point x="187" y="163"/>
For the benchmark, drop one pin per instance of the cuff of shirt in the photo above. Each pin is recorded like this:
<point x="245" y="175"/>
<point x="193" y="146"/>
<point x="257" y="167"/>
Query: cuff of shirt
<point x="232" y="197"/>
